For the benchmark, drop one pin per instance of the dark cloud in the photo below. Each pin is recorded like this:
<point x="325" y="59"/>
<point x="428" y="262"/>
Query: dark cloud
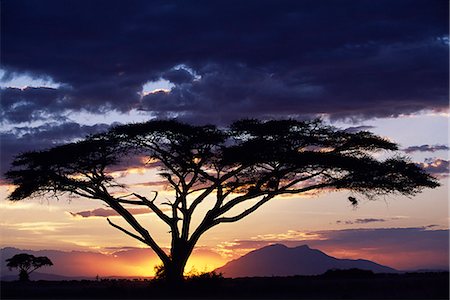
<point x="178" y="76"/>
<point x="107" y="212"/>
<point x="22" y="105"/>
<point x="22" y="139"/>
<point x="426" y="148"/>
<point x="241" y="58"/>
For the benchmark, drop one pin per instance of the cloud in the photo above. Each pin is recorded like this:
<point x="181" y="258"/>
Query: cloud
<point x="159" y="183"/>
<point x="30" y="103"/>
<point x="361" y="221"/>
<point x="22" y="139"/>
<point x="289" y="235"/>
<point x="354" y="59"/>
<point x="426" y="148"/>
<point x="355" y="129"/>
<point x="37" y="226"/>
<point x="107" y="212"/>
<point x="436" y="166"/>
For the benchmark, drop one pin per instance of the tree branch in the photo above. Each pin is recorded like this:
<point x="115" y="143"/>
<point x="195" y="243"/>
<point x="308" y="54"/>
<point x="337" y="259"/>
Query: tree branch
<point x="111" y="201"/>
<point x="133" y="202"/>
<point x="155" y="208"/>
<point x="126" y="231"/>
<point x="216" y="182"/>
<point x="235" y="201"/>
<point x="245" y="212"/>
<point x="294" y="182"/>
<point x="201" y="197"/>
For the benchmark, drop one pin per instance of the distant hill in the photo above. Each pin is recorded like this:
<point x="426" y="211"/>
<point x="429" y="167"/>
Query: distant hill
<point x="77" y="265"/>
<point x="45" y="276"/>
<point x="279" y="260"/>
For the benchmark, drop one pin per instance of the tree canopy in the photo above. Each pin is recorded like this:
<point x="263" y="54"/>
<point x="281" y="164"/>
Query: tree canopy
<point x="27" y="263"/>
<point x="225" y="167"/>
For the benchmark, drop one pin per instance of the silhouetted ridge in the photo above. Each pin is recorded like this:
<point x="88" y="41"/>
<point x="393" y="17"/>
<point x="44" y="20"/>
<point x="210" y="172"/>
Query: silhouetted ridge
<point x="280" y="260"/>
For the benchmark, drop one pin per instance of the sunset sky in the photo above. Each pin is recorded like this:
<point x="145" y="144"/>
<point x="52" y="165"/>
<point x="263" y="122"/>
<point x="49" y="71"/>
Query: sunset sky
<point x="72" y="68"/>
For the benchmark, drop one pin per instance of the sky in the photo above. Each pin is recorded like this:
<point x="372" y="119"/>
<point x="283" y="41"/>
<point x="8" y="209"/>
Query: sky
<point x="73" y="68"/>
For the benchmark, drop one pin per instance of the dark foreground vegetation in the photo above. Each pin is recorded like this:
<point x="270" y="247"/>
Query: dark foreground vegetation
<point x="327" y="286"/>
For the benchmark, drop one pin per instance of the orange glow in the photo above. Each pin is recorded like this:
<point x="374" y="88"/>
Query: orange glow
<point x="130" y="263"/>
<point x="9" y="187"/>
<point x="135" y="170"/>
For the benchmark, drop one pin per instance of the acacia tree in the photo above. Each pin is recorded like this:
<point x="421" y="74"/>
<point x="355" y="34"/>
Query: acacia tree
<point x="27" y="264"/>
<point x="241" y="167"/>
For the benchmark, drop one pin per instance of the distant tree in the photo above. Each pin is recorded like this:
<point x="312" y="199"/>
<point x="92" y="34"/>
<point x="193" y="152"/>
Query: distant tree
<point x="27" y="264"/>
<point x="235" y="170"/>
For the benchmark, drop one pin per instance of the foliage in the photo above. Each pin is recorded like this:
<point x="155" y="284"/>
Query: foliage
<point x="160" y="273"/>
<point x="348" y="273"/>
<point x="193" y="276"/>
<point x="242" y="166"/>
<point x="27" y="263"/>
<point x="206" y="277"/>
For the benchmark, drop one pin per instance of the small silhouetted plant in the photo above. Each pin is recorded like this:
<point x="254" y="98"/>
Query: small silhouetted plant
<point x="27" y="264"/>
<point x="244" y="165"/>
<point x="348" y="273"/>
<point x="160" y="272"/>
<point x="205" y="277"/>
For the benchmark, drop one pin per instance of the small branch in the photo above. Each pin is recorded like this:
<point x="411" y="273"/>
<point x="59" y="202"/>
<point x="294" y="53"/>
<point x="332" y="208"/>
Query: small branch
<point x="111" y="201"/>
<point x="174" y="184"/>
<point x="197" y="190"/>
<point x="155" y="208"/>
<point x="216" y="183"/>
<point x="294" y="182"/>
<point x="201" y="197"/>
<point x="33" y="270"/>
<point x="126" y="231"/>
<point x="245" y="212"/>
<point x="305" y="189"/>
<point x="134" y="202"/>
<point x="269" y="195"/>
<point x="235" y="201"/>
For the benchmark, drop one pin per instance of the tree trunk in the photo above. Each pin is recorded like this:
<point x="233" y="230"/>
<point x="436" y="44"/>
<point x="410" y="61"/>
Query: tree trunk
<point x="174" y="272"/>
<point x="24" y="276"/>
<point x="179" y="256"/>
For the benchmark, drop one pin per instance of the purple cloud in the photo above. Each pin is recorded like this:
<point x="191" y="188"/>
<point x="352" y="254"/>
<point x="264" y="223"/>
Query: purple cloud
<point x="22" y="139"/>
<point x="426" y="148"/>
<point x="361" y="221"/>
<point x="364" y="60"/>
<point x="107" y="212"/>
<point x="358" y="128"/>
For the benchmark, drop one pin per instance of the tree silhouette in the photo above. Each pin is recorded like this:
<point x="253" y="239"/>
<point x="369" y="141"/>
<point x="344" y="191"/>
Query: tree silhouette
<point x="241" y="167"/>
<point x="27" y="263"/>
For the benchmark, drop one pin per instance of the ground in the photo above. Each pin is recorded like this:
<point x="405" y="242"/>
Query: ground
<point x="380" y="286"/>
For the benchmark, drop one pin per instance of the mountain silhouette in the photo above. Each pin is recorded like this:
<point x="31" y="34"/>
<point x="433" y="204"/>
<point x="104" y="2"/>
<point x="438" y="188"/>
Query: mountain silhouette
<point x="279" y="260"/>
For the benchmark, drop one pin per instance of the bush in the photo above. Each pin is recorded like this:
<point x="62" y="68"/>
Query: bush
<point x="348" y="273"/>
